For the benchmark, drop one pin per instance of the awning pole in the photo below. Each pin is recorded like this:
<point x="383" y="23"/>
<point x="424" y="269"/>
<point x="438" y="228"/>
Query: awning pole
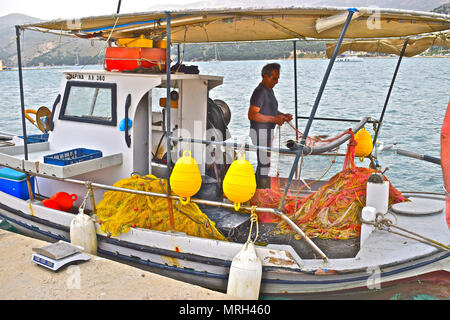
<point x="22" y="106"/>
<point x="22" y="100"/>
<point x="168" y="124"/>
<point x="118" y="6"/>
<point x="389" y="92"/>
<point x="295" y="96"/>
<point x="295" y="90"/>
<point x="351" y="11"/>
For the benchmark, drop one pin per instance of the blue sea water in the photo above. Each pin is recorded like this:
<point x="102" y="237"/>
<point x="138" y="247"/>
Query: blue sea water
<point x="413" y="116"/>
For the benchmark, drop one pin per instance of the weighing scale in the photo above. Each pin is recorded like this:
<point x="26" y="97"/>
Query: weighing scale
<point x="58" y="254"/>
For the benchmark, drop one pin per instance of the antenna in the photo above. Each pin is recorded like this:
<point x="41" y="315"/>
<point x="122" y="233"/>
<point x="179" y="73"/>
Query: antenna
<point x="118" y="6"/>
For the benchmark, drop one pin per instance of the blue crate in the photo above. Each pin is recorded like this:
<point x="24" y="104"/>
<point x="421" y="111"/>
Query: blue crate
<point x="35" y="138"/>
<point x="72" y="156"/>
<point x="15" y="183"/>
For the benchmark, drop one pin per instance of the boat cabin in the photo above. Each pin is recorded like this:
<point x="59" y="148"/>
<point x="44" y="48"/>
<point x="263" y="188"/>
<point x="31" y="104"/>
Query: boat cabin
<point x="91" y="112"/>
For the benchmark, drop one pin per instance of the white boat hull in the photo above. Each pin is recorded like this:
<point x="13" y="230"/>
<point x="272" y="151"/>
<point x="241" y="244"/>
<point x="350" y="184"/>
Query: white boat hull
<point x="206" y="262"/>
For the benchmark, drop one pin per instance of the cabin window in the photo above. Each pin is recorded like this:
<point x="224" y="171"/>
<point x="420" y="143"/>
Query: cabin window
<point x="89" y="102"/>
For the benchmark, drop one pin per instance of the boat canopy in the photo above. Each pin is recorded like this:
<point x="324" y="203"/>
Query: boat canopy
<point x="393" y="46"/>
<point x="258" y="24"/>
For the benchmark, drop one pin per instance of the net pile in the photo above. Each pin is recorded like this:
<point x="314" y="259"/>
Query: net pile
<point x="118" y="212"/>
<point x="332" y="211"/>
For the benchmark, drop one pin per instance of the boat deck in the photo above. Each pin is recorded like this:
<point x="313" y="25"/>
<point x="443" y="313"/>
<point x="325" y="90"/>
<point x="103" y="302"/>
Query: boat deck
<point x="381" y="247"/>
<point x="236" y="227"/>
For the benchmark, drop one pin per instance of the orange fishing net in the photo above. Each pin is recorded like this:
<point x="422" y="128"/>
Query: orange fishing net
<point x="332" y="211"/>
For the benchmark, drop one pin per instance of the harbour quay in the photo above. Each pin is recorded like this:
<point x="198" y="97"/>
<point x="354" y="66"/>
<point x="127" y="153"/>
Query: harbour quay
<point x="95" y="279"/>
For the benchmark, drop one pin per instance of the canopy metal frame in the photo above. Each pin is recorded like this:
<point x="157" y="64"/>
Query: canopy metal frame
<point x="351" y="11"/>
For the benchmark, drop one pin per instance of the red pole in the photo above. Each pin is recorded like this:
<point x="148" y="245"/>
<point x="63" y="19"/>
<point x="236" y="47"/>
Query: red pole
<point x="445" y="159"/>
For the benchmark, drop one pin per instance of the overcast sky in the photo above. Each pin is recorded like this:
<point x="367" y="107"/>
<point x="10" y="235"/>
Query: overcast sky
<point x="55" y="9"/>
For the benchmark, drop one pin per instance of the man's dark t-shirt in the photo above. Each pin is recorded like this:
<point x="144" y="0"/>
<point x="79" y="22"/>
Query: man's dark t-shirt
<point x="264" y="98"/>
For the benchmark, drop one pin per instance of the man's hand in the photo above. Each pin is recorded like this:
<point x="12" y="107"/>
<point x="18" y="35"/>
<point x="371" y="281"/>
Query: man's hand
<point x="287" y="117"/>
<point x="280" y="119"/>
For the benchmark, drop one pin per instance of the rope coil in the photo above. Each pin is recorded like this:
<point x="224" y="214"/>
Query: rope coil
<point x="253" y="219"/>
<point x="385" y="224"/>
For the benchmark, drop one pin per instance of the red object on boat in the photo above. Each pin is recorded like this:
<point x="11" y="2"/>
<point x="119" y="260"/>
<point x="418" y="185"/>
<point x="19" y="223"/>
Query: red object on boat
<point x="64" y="200"/>
<point x="445" y="159"/>
<point x="126" y="59"/>
<point x="50" y="203"/>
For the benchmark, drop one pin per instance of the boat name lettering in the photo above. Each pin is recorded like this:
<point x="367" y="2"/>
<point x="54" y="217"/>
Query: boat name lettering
<point x="95" y="77"/>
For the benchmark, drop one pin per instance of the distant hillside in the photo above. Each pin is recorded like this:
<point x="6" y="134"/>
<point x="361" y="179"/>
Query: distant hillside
<point x="44" y="49"/>
<point x="445" y="8"/>
<point x="418" y="5"/>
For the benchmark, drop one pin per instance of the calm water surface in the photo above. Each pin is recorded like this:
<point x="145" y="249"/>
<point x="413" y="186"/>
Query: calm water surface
<point x="413" y="118"/>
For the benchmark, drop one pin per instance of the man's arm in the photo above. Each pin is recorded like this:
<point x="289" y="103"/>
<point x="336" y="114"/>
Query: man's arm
<point x="255" y="115"/>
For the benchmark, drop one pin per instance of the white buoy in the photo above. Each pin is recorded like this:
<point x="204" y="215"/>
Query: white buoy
<point x="83" y="233"/>
<point x="368" y="214"/>
<point x="377" y="193"/>
<point x="244" y="280"/>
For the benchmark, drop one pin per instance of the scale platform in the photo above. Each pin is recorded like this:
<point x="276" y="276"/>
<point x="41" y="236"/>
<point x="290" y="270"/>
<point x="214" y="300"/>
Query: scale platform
<point x="58" y="254"/>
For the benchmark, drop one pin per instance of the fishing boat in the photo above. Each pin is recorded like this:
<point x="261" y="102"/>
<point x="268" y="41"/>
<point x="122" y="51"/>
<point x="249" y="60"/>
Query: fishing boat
<point x="349" y="58"/>
<point x="162" y="190"/>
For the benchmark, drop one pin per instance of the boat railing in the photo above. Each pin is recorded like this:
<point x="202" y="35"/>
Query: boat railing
<point x="292" y="147"/>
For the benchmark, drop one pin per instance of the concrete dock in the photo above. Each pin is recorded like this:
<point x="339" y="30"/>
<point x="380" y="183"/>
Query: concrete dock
<point x="96" y="279"/>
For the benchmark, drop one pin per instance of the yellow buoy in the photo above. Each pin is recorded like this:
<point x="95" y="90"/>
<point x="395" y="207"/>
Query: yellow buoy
<point x="364" y="144"/>
<point x="239" y="184"/>
<point x="186" y="179"/>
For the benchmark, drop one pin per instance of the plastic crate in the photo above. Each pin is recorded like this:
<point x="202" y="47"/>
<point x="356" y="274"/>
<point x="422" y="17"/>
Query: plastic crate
<point x="72" y="156"/>
<point x="35" y="138"/>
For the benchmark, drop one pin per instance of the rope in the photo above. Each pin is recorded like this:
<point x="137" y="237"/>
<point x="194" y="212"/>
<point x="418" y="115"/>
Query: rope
<point x="253" y="219"/>
<point x="277" y="166"/>
<point x="446" y="192"/>
<point x="83" y="204"/>
<point x="383" y="223"/>
<point x="106" y="44"/>
<point x="31" y="209"/>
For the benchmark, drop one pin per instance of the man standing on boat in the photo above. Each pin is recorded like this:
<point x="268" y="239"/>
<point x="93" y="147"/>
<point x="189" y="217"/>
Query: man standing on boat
<point x="264" y="115"/>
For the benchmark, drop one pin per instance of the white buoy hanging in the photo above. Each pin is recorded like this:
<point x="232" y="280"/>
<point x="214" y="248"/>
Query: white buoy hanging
<point x="244" y="280"/>
<point x="377" y="193"/>
<point x="82" y="230"/>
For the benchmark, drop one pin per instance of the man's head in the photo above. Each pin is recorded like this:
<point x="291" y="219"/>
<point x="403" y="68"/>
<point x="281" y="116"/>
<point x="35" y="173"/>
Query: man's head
<point x="270" y="74"/>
